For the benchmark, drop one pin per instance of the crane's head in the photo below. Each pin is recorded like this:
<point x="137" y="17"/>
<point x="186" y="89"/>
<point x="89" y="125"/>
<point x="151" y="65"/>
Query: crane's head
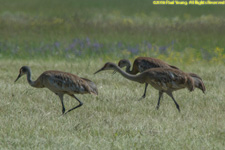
<point x="23" y="70"/>
<point x="124" y="63"/>
<point x="107" y="66"/>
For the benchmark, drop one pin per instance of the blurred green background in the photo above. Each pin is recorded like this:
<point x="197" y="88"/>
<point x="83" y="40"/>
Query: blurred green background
<point x="111" y="28"/>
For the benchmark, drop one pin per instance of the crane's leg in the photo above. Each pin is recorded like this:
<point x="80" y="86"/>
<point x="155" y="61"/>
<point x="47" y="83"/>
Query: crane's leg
<point x="75" y="106"/>
<point x="171" y="95"/>
<point x="63" y="108"/>
<point x="143" y="96"/>
<point x="160" y="95"/>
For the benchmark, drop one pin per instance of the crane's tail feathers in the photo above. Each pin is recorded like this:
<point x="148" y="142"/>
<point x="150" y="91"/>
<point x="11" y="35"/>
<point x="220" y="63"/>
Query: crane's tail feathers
<point x="198" y="82"/>
<point x="92" y="87"/>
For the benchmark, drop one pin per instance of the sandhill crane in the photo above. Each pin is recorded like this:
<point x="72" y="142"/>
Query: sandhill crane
<point x="61" y="83"/>
<point x="143" y="63"/>
<point x="165" y="80"/>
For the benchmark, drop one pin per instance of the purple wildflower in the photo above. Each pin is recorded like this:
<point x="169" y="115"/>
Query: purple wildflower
<point x="57" y="44"/>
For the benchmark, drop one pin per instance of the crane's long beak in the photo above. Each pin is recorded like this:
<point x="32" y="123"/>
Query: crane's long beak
<point x="17" y="78"/>
<point x="99" y="70"/>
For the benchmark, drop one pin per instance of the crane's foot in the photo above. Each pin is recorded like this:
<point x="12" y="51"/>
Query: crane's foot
<point x="63" y="110"/>
<point x="62" y="115"/>
<point x="178" y="107"/>
<point x="157" y="107"/>
<point x="141" y="98"/>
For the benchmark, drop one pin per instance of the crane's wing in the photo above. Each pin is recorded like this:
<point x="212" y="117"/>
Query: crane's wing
<point x="66" y="83"/>
<point x="170" y="79"/>
<point x="92" y="86"/>
<point x="174" y="67"/>
<point x="149" y="62"/>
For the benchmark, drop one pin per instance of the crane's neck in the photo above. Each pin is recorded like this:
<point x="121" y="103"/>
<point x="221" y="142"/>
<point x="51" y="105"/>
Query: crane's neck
<point x="128" y="66"/>
<point x="128" y="69"/>
<point x="32" y="83"/>
<point x="136" y="78"/>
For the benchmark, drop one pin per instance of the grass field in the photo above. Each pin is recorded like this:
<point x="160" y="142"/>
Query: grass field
<point x="80" y="37"/>
<point x="31" y="118"/>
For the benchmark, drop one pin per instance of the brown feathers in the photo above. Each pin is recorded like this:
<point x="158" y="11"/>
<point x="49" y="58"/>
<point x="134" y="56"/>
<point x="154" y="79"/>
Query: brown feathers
<point x="61" y="83"/>
<point x="165" y="80"/>
<point x="143" y="63"/>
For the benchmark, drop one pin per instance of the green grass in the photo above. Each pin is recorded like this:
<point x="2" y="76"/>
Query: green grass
<point x="31" y="118"/>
